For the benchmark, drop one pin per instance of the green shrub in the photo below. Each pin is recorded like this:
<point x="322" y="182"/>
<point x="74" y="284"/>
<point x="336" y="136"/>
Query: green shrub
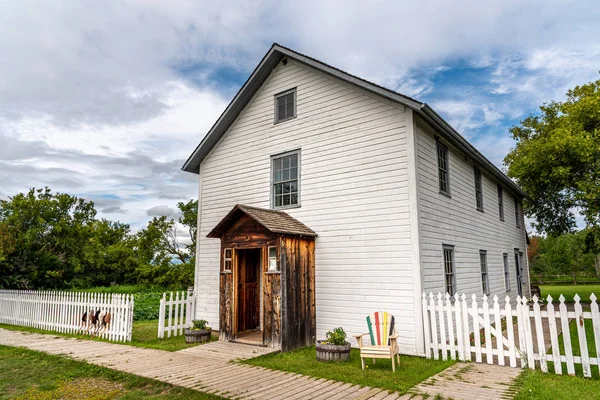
<point x="200" y="324"/>
<point x="336" y="336"/>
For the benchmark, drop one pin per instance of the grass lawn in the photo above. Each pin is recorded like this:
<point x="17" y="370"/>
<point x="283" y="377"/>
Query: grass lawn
<point x="535" y="385"/>
<point x="144" y="334"/>
<point x="412" y="370"/>
<point x="569" y="291"/>
<point x="32" y="375"/>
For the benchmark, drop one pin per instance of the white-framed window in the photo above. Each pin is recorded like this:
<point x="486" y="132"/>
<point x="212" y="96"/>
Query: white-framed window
<point x="227" y="257"/>
<point x="506" y="272"/>
<point x="500" y="203"/>
<point x="285" y="180"/>
<point x="443" y="168"/>
<point x="273" y="264"/>
<point x="517" y="213"/>
<point x="478" y="189"/>
<point x="285" y="106"/>
<point x="485" y="282"/>
<point x="449" y="270"/>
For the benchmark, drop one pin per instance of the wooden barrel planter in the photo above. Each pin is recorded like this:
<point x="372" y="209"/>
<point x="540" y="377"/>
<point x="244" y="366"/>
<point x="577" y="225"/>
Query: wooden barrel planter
<point x="332" y="352"/>
<point x="197" y="335"/>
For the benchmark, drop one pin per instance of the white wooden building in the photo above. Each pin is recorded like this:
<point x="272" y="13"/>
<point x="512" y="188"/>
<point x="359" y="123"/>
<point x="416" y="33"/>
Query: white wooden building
<point x="399" y="200"/>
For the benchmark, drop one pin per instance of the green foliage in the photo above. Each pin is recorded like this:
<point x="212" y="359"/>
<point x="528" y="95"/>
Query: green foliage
<point x="54" y="241"/>
<point x="336" y="336"/>
<point x="556" y="162"/>
<point x="200" y="324"/>
<point x="26" y="374"/>
<point x="561" y="255"/>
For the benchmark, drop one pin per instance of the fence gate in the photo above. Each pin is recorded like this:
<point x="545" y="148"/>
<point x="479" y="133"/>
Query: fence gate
<point x="503" y="334"/>
<point x="176" y="313"/>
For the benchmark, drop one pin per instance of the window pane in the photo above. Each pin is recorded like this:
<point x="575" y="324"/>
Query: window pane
<point x="278" y="189"/>
<point x="286" y="162"/>
<point x="281" y="112"/>
<point x="272" y="252"/>
<point x="278" y="201"/>
<point x="277" y="164"/>
<point x="294" y="160"/>
<point x="277" y="176"/>
<point x="286" y="188"/>
<point x="227" y="265"/>
<point x="293" y="186"/>
<point x="286" y="199"/>
<point x="285" y="175"/>
<point x="294" y="173"/>
<point x="294" y="198"/>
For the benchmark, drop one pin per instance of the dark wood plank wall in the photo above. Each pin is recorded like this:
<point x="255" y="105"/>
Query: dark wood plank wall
<point x="298" y="292"/>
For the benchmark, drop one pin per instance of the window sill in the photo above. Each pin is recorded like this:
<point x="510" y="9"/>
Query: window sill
<point x="445" y="194"/>
<point x="281" y="121"/>
<point x="273" y="273"/>
<point x="227" y="272"/>
<point x="480" y="209"/>
<point x="286" y="207"/>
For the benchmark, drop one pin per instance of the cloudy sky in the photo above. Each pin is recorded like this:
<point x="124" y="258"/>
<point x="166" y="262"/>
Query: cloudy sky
<point x="106" y="99"/>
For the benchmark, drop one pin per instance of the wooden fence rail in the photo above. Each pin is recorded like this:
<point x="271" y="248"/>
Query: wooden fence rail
<point x="64" y="311"/>
<point x="503" y="333"/>
<point x="178" y="316"/>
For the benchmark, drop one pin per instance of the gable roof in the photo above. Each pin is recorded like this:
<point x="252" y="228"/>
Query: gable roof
<point x="276" y="53"/>
<point x="274" y="221"/>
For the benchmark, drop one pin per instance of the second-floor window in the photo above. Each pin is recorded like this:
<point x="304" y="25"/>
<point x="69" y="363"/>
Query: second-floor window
<point x="285" y="106"/>
<point x="500" y="203"/>
<point x="285" y="182"/>
<point x="442" y="157"/>
<point x="517" y="213"/>
<point x="478" y="189"/>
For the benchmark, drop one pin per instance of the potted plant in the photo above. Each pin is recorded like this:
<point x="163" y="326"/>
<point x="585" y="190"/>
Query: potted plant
<point x="335" y="347"/>
<point x="198" y="333"/>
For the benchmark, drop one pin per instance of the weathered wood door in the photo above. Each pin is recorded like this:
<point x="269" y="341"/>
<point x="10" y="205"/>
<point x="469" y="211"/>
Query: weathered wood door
<point x="248" y="288"/>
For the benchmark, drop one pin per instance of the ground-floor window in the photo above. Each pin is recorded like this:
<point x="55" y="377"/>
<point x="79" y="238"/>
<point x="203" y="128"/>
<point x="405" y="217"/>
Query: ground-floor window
<point x="449" y="271"/>
<point x="506" y="272"/>
<point x="485" y="282"/>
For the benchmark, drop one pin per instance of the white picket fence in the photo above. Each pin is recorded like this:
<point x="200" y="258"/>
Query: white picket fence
<point x="178" y="316"/>
<point x="63" y="311"/>
<point x="450" y="321"/>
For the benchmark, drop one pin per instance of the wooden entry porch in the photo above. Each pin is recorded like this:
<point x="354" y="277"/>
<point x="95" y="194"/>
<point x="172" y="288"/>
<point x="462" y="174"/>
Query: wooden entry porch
<point x="267" y="280"/>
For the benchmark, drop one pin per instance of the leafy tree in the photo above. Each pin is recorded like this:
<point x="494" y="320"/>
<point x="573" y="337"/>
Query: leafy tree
<point x="561" y="255"/>
<point x="166" y="260"/>
<point x="47" y="231"/>
<point x="557" y="162"/>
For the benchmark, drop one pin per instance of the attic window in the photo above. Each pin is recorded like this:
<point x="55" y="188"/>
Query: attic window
<point x="285" y="106"/>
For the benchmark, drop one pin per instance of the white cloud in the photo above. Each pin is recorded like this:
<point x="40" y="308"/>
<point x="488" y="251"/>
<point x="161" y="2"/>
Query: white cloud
<point x="93" y="100"/>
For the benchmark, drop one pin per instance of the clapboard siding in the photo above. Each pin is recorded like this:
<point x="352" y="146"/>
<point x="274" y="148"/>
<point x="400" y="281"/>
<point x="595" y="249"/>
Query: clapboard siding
<point x="354" y="192"/>
<point x="456" y="221"/>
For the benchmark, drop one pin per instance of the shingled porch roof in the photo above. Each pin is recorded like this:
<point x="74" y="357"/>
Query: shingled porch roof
<point x="274" y="221"/>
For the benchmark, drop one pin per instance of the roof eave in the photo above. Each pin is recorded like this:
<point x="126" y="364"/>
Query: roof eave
<point x="432" y="117"/>
<point x="232" y="110"/>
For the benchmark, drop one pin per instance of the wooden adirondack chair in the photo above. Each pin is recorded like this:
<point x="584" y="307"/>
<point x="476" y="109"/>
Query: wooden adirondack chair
<point x="382" y="331"/>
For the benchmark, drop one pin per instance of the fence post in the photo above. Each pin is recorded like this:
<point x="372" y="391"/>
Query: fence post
<point x="580" y="321"/>
<point x="426" y="325"/>
<point x="161" y="317"/>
